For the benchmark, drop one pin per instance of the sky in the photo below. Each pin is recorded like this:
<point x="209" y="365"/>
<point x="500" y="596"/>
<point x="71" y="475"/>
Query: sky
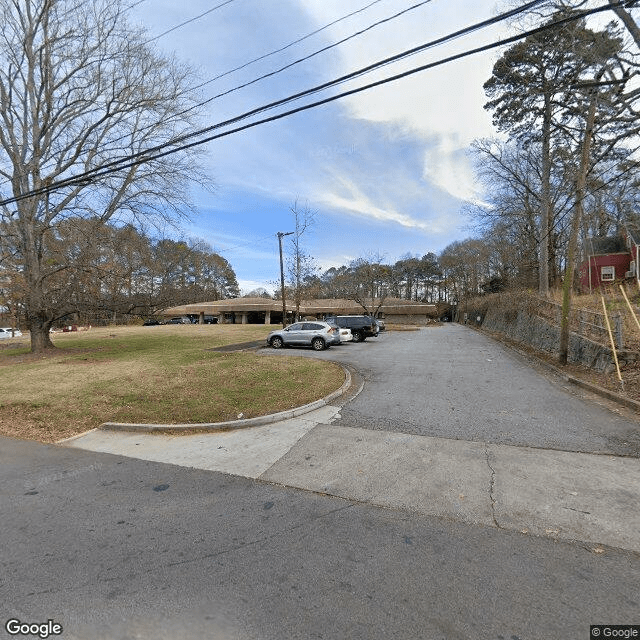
<point x="387" y="172"/>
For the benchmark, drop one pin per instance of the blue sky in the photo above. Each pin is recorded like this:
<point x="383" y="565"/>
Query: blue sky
<point x="387" y="172"/>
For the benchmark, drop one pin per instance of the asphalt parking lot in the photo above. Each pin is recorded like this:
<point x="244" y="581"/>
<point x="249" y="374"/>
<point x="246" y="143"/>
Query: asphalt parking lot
<point x="451" y="382"/>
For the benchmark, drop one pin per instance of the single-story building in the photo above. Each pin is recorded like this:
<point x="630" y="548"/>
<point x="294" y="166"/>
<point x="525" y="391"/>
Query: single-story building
<point x="268" y="311"/>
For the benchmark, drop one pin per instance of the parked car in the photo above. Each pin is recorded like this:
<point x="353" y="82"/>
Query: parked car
<point x="179" y="320"/>
<point x="151" y="322"/>
<point x="8" y="332"/>
<point x="380" y="323"/>
<point x="362" y="327"/>
<point x="317" y="335"/>
<point x="345" y="333"/>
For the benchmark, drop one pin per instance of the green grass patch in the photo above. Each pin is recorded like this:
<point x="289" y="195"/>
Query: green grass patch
<point x="166" y="374"/>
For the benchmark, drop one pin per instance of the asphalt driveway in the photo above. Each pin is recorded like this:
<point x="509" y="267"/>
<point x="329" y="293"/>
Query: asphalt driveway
<point x="452" y="382"/>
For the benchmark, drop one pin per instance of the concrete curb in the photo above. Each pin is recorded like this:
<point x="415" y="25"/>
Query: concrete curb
<point x="629" y="403"/>
<point x="234" y="424"/>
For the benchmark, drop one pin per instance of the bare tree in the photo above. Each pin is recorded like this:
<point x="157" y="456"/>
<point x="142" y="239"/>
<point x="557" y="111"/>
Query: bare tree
<point x="368" y="283"/>
<point x="300" y="265"/>
<point x="79" y="88"/>
<point x="627" y="19"/>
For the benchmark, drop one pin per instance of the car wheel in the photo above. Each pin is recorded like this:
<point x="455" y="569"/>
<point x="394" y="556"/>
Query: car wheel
<point x="357" y="336"/>
<point x="277" y="342"/>
<point x="318" y="344"/>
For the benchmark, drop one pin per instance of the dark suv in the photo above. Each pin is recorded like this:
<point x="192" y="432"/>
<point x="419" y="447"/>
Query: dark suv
<point x="362" y="327"/>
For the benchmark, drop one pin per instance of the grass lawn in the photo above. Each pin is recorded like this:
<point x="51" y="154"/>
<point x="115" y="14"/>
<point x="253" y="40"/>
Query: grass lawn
<point x="166" y="374"/>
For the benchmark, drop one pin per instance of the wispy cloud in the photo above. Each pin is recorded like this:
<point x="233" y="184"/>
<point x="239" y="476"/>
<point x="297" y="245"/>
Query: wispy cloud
<point x="356" y="202"/>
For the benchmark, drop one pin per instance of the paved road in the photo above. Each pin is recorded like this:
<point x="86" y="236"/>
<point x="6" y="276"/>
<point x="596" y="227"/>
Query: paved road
<point x="119" y="547"/>
<point x="452" y="382"/>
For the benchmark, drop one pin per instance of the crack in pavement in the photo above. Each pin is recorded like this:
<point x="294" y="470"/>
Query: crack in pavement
<point x="492" y="482"/>
<point x="270" y="536"/>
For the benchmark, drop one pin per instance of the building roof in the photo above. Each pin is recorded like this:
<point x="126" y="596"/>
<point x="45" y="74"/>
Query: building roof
<point x="604" y="245"/>
<point x="323" y="305"/>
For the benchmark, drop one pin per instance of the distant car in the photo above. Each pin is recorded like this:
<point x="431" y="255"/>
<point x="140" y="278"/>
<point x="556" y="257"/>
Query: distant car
<point x="317" y="335"/>
<point x="151" y="322"/>
<point x="362" y="327"/>
<point x="179" y="320"/>
<point x="380" y="323"/>
<point x="8" y="332"/>
<point x="345" y="334"/>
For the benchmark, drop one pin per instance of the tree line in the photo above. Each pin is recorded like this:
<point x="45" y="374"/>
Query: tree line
<point x="101" y="273"/>
<point x="370" y="280"/>
<point x="81" y="89"/>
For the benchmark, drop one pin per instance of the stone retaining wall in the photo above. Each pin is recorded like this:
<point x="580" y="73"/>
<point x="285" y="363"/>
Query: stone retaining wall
<point x="529" y="329"/>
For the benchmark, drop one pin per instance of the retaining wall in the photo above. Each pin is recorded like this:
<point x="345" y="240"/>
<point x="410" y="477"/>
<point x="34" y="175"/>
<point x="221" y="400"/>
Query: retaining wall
<point x="529" y="329"/>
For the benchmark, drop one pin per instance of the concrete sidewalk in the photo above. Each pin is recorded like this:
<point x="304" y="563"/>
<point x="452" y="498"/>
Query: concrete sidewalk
<point x="574" y="496"/>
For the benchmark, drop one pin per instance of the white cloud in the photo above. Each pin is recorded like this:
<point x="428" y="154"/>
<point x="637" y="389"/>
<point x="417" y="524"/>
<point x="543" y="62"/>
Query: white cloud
<point x="246" y="286"/>
<point x="447" y="99"/>
<point x="446" y="165"/>
<point x="356" y="202"/>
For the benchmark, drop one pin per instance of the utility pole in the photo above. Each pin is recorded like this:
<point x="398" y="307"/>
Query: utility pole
<point x="280" y="235"/>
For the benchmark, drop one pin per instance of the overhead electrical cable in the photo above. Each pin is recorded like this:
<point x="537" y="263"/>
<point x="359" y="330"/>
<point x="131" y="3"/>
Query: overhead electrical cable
<point x="287" y="46"/>
<point x="158" y="152"/>
<point x="336" y="81"/>
<point x="314" y="53"/>
<point x="280" y="70"/>
<point x="326" y="26"/>
<point x="182" y="24"/>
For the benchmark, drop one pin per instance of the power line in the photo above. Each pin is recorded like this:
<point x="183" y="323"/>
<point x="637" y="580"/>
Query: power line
<point x="302" y="38"/>
<point x="284" y="68"/>
<point x="252" y="243"/>
<point x="144" y="157"/>
<point x="314" y="53"/>
<point x="287" y="46"/>
<point x="87" y="175"/>
<point x="189" y="21"/>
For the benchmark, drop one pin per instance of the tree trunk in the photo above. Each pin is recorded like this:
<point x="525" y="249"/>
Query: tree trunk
<point x="545" y="200"/>
<point x="581" y="180"/>
<point x="628" y="21"/>
<point x="40" y="339"/>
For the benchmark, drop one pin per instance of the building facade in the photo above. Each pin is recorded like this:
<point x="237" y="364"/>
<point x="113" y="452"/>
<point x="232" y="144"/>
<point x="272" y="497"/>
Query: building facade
<point x="267" y="311"/>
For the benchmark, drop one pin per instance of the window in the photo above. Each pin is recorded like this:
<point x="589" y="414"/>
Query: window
<point x="607" y="274"/>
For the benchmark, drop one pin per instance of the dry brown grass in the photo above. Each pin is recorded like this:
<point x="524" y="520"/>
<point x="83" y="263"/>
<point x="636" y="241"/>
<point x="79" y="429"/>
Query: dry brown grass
<point x="166" y="374"/>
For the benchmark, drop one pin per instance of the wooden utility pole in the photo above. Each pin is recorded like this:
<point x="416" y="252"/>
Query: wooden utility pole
<point x="280" y="235"/>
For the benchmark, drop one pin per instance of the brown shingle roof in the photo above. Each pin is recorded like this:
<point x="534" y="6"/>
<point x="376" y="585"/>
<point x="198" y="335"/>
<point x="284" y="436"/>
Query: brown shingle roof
<point x="323" y="305"/>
